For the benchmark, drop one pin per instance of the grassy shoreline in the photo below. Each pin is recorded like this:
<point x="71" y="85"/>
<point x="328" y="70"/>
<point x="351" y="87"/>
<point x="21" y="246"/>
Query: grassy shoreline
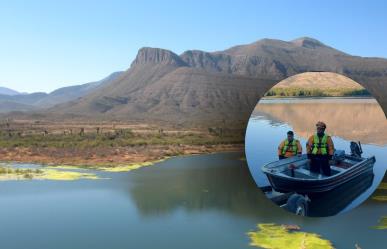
<point x="113" y="148"/>
<point x="280" y="92"/>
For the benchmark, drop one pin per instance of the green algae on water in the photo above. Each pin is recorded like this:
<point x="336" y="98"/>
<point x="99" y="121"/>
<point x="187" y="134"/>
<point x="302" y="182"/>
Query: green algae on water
<point x="272" y="236"/>
<point x="383" y="186"/>
<point x="380" y="197"/>
<point x="382" y="223"/>
<point x="130" y="167"/>
<point x="9" y="174"/>
<point x="116" y="168"/>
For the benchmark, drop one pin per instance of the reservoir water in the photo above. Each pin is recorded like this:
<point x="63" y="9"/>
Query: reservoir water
<point x="202" y="201"/>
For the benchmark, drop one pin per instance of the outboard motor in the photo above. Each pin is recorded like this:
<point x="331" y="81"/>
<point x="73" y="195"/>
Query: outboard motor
<point x="338" y="156"/>
<point x="356" y="149"/>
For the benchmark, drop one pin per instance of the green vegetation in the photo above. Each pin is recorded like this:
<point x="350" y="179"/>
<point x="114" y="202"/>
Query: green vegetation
<point x="120" y="138"/>
<point x="9" y="173"/>
<point x="382" y="223"/>
<point x="116" y="168"/>
<point x="272" y="236"/>
<point x="383" y="186"/>
<point x="380" y="197"/>
<point x="17" y="171"/>
<point x="315" y="92"/>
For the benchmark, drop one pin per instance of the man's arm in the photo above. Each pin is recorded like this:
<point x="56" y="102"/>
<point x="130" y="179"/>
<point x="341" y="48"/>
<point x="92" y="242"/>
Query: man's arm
<point x="280" y="148"/>
<point x="309" y="147"/>
<point x="331" y="147"/>
<point x="299" y="147"/>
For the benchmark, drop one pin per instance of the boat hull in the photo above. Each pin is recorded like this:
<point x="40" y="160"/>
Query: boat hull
<point x="306" y="186"/>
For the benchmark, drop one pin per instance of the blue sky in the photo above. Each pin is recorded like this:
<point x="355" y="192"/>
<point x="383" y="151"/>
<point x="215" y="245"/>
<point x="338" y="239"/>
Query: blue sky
<point x="49" y="44"/>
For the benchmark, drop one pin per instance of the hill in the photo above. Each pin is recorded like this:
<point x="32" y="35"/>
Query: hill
<point x="41" y="100"/>
<point x="317" y="84"/>
<point x="8" y="91"/>
<point x="222" y="86"/>
<point x="200" y="86"/>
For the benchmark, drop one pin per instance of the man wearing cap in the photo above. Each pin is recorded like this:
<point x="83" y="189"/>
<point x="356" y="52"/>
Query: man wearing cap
<point x="320" y="150"/>
<point x="289" y="147"/>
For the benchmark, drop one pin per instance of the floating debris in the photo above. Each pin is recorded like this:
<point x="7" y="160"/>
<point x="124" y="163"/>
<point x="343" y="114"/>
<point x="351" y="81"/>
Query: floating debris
<point x="272" y="236"/>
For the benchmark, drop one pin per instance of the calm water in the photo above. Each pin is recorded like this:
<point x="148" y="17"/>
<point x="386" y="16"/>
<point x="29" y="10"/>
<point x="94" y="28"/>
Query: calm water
<point x="347" y="120"/>
<point x="207" y="201"/>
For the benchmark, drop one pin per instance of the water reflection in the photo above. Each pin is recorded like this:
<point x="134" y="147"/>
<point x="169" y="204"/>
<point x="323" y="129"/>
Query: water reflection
<point x="351" y="119"/>
<point x="206" y="201"/>
<point x="195" y="185"/>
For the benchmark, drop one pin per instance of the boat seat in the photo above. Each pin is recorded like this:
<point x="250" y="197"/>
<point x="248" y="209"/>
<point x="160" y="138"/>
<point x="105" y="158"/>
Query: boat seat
<point x="309" y="173"/>
<point x="337" y="168"/>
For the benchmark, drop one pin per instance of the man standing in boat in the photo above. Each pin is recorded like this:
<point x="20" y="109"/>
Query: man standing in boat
<point x="320" y="150"/>
<point x="289" y="147"/>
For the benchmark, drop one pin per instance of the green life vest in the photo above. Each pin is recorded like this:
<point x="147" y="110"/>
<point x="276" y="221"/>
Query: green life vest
<point x="293" y="146"/>
<point x="320" y="144"/>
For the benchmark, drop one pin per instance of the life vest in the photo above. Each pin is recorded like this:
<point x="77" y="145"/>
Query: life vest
<point x="320" y="144"/>
<point x="291" y="147"/>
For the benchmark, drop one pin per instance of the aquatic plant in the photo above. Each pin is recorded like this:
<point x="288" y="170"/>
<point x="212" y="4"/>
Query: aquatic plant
<point x="382" y="223"/>
<point x="272" y="236"/>
<point x="51" y="174"/>
<point x="8" y="173"/>
<point x="380" y="197"/>
<point x="126" y="168"/>
<point x="383" y="186"/>
<point x="113" y="168"/>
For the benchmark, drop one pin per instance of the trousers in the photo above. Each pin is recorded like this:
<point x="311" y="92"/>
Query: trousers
<point x="320" y="163"/>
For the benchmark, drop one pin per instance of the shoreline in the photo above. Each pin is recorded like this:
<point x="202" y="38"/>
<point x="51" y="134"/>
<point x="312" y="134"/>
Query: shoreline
<point x="111" y="158"/>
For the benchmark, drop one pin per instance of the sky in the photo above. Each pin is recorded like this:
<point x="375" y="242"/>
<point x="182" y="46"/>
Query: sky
<point x="45" y="45"/>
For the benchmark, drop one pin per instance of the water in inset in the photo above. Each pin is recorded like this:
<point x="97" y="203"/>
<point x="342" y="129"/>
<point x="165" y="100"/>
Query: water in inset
<point x="347" y="119"/>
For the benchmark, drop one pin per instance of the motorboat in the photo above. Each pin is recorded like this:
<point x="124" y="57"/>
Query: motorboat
<point x="293" y="174"/>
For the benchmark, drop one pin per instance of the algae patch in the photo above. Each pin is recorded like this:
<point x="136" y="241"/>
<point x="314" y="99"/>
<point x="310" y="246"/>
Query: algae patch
<point x="9" y="173"/>
<point x="382" y="223"/>
<point x="380" y="197"/>
<point x="383" y="186"/>
<point x="272" y="236"/>
<point x="66" y="172"/>
<point x="52" y="174"/>
<point x="116" y="168"/>
<point x="126" y="168"/>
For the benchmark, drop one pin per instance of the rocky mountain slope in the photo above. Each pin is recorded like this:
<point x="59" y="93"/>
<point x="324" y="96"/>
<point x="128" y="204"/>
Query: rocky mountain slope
<point x="198" y="86"/>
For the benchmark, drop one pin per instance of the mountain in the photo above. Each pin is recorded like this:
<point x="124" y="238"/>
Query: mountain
<point x="322" y="80"/>
<point x="10" y="106"/>
<point x="199" y="86"/>
<point x="161" y="85"/>
<point x="70" y="93"/>
<point x="36" y="101"/>
<point x="8" y="91"/>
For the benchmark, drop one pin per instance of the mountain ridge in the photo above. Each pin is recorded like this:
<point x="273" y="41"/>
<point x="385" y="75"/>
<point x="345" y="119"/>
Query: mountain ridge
<point x="8" y="91"/>
<point x="40" y="100"/>
<point x="199" y="86"/>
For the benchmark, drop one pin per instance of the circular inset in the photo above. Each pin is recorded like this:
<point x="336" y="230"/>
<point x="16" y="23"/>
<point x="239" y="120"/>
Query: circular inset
<point x="316" y="144"/>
